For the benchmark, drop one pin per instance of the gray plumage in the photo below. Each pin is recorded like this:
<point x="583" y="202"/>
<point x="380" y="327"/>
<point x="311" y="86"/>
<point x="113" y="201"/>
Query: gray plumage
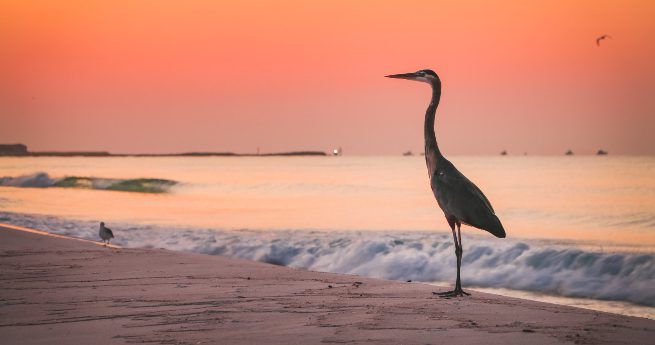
<point x="462" y="200"/>
<point x="459" y="198"/>
<point x="105" y="233"/>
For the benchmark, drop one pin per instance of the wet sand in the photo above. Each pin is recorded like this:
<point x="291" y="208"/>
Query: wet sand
<point x="55" y="290"/>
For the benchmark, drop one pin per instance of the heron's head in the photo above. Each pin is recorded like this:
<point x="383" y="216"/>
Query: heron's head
<point x="424" y="75"/>
<point x="102" y="223"/>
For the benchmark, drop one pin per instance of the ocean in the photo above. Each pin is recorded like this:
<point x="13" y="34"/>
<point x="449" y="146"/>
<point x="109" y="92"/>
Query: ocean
<point x="580" y="229"/>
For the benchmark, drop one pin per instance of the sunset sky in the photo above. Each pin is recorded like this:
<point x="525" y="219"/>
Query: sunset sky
<point x="177" y="76"/>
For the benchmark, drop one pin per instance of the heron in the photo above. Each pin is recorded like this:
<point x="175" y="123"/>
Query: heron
<point x="461" y="201"/>
<point x="105" y="233"/>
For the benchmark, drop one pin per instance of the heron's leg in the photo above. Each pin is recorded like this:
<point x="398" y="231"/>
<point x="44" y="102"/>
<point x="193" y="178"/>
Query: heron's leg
<point x="458" y="254"/>
<point x="458" y="286"/>
<point x="452" y="223"/>
<point x="457" y="238"/>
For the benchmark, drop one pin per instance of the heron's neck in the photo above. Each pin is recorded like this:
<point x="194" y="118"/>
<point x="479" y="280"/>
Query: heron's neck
<point x="432" y="153"/>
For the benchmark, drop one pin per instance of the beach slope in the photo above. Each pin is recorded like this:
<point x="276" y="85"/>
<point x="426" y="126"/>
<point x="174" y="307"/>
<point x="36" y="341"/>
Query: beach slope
<point x="60" y="291"/>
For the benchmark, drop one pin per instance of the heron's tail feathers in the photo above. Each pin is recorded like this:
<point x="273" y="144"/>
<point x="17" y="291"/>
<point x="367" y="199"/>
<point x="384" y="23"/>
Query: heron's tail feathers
<point x="496" y="227"/>
<point x="487" y="222"/>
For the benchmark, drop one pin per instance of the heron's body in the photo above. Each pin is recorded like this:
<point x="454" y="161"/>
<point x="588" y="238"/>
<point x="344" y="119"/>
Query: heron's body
<point x="460" y="199"/>
<point x="105" y="233"/>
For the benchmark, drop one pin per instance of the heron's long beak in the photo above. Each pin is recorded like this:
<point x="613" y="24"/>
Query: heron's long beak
<point x="410" y="76"/>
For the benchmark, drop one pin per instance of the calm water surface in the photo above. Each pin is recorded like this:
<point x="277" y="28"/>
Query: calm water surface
<point x="599" y="199"/>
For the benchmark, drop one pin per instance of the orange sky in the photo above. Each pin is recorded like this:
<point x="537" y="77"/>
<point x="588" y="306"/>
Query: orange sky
<point x="173" y="76"/>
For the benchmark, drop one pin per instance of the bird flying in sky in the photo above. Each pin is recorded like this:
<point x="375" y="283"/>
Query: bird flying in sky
<point x="601" y="38"/>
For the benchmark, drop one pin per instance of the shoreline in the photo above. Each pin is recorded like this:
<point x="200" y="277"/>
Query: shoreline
<point x="54" y="288"/>
<point x="614" y="306"/>
<point x="289" y="248"/>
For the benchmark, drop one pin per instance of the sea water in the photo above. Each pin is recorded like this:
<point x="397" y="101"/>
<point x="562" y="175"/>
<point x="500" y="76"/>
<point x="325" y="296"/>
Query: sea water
<point x="581" y="229"/>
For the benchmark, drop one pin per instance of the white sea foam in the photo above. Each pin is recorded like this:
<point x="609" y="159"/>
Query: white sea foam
<point x="43" y="180"/>
<point x="36" y="180"/>
<point x="559" y="269"/>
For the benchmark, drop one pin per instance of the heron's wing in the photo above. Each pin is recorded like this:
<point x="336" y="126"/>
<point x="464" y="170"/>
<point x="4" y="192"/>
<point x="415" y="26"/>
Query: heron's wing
<point x="461" y="198"/>
<point x="473" y="189"/>
<point x="462" y="193"/>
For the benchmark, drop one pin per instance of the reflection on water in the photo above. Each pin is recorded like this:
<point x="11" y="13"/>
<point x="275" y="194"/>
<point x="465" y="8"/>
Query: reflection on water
<point x="616" y="307"/>
<point x="599" y="199"/>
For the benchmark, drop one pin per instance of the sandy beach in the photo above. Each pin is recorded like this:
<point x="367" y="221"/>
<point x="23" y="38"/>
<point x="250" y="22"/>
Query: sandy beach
<point x="61" y="291"/>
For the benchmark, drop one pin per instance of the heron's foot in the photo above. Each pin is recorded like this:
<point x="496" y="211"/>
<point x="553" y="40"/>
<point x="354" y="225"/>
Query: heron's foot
<point x="458" y="292"/>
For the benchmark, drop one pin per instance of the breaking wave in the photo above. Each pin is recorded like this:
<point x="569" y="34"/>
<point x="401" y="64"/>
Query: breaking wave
<point x="43" y="180"/>
<point x="560" y="269"/>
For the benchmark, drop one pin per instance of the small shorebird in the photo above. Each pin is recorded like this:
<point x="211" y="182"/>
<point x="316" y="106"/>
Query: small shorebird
<point x="105" y="233"/>
<point x="460" y="199"/>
